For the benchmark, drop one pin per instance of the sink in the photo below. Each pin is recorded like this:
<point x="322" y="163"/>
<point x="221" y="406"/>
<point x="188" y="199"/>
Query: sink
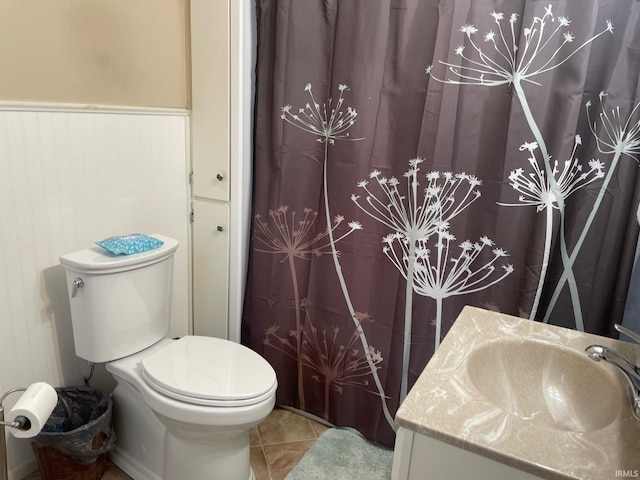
<point x="503" y="392"/>
<point x="545" y="384"/>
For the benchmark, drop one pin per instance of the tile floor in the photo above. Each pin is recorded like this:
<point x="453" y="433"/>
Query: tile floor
<point x="280" y="441"/>
<point x="277" y="444"/>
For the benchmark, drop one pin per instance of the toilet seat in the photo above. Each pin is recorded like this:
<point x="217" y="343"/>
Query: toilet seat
<point x="209" y="371"/>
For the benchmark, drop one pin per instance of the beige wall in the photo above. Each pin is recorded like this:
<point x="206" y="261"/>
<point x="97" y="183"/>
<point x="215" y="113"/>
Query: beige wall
<point x="105" y="52"/>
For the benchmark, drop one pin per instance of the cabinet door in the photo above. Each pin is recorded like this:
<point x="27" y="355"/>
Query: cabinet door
<point x="210" y="268"/>
<point x="210" y="98"/>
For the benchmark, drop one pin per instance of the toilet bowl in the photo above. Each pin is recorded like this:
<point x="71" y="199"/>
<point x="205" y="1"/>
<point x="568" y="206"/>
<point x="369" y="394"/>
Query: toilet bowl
<point x="183" y="408"/>
<point x="207" y="394"/>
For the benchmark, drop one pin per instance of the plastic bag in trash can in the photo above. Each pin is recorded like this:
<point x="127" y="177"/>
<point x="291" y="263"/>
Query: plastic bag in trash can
<point x="81" y="415"/>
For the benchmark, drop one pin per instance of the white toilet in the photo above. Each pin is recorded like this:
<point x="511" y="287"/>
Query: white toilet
<point x="183" y="408"/>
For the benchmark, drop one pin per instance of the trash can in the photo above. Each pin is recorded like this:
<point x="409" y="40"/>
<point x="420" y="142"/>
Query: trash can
<point x="74" y="442"/>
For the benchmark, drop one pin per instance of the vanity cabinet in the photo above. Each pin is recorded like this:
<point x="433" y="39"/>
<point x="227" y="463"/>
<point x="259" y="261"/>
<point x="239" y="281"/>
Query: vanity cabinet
<point x="504" y="398"/>
<point x="419" y="457"/>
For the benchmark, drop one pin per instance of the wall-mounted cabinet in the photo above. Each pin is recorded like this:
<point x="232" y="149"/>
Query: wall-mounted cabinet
<point x="210" y="98"/>
<point x="210" y="268"/>
<point x="210" y="153"/>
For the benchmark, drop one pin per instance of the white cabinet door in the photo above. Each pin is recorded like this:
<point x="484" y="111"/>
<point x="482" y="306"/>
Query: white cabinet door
<point x="210" y="268"/>
<point x="418" y="457"/>
<point x="210" y="98"/>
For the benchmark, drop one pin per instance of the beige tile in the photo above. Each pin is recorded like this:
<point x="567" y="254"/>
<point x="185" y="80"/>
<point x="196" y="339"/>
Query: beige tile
<point x="254" y="437"/>
<point x="283" y="457"/>
<point x="318" y="428"/>
<point x="282" y="426"/>
<point x="259" y="463"/>
<point x="114" y="473"/>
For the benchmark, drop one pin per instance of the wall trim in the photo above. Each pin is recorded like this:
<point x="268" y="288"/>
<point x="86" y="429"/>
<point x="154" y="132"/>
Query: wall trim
<point x="242" y="64"/>
<point x="84" y="108"/>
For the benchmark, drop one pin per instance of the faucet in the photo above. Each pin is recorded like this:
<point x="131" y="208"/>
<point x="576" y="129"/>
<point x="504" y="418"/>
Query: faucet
<point x="631" y="371"/>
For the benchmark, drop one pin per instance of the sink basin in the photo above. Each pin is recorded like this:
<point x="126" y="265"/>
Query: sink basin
<point x="545" y="384"/>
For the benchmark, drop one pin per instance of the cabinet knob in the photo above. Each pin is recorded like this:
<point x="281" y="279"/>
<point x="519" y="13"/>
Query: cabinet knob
<point x="219" y="228"/>
<point x="219" y="177"/>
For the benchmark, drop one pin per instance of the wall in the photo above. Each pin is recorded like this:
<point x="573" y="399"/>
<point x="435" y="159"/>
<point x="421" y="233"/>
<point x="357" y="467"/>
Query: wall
<point x="111" y="52"/>
<point x="72" y="174"/>
<point x="66" y="180"/>
<point x="631" y="318"/>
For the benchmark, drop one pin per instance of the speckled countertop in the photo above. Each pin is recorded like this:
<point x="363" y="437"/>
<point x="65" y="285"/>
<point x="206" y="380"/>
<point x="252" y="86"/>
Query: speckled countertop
<point x="586" y="431"/>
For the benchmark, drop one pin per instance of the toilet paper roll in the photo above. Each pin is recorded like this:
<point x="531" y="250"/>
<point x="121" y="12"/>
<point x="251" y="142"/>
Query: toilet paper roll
<point x="36" y="404"/>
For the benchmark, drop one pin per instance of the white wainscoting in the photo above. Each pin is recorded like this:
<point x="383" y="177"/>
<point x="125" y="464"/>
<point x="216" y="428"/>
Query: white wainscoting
<point x="70" y="176"/>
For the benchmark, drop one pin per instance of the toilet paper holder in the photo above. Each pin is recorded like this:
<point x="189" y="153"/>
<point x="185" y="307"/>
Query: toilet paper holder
<point x="21" y="423"/>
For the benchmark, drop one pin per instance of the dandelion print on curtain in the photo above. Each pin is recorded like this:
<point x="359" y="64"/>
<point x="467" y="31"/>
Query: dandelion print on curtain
<point x="416" y="156"/>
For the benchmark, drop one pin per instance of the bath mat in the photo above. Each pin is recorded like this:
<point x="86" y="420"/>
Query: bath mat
<point x="343" y="455"/>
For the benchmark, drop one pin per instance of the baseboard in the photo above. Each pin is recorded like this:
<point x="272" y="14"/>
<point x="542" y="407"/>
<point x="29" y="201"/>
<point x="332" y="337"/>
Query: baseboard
<point x="130" y="466"/>
<point x="23" y="470"/>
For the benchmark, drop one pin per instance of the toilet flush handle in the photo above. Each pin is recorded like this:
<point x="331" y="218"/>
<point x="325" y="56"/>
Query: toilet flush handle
<point x="77" y="283"/>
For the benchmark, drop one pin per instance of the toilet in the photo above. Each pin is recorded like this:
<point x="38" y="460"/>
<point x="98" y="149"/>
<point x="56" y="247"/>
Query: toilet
<point x="183" y="408"/>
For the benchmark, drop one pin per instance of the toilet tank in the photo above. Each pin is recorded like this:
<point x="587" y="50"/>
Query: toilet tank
<point x="124" y="303"/>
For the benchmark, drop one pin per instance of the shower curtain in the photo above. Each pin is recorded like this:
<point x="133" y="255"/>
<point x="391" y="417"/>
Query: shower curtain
<point x="416" y="156"/>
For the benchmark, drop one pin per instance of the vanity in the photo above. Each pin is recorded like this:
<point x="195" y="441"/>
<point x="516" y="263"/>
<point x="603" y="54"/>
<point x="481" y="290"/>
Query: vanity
<point x="505" y="398"/>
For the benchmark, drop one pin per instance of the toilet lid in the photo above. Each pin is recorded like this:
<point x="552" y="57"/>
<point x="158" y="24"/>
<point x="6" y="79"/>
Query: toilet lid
<point x="209" y="371"/>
